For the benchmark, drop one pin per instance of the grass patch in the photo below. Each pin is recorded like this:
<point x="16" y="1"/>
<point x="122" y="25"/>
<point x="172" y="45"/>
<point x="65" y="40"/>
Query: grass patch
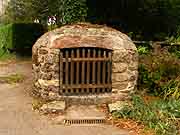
<point x="14" y="78"/>
<point x="8" y="57"/>
<point x="159" y="115"/>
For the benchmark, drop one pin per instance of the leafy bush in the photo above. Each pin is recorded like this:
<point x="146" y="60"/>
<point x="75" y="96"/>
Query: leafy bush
<point x="66" y="11"/>
<point x="5" y="39"/>
<point x="6" y="56"/>
<point x="19" y="36"/>
<point x="144" y="49"/>
<point x="73" y="11"/>
<point x="156" y="70"/>
<point x="158" y="115"/>
<point x="175" y="50"/>
<point x="172" y="89"/>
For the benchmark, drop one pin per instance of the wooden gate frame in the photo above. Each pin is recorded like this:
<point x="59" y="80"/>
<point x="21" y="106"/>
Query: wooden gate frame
<point x="95" y="75"/>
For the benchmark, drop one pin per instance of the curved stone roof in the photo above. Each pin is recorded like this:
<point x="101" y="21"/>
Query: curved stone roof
<point x="85" y="35"/>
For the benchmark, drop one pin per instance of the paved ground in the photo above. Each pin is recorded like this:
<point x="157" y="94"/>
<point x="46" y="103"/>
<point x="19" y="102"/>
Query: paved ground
<point x="18" y="118"/>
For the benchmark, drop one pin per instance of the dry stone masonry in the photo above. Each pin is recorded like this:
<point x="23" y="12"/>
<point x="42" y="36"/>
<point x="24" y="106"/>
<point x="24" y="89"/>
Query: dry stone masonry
<point x="46" y="61"/>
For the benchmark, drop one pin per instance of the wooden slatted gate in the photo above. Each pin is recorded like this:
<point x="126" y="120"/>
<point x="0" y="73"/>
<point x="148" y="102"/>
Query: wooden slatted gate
<point x="85" y="71"/>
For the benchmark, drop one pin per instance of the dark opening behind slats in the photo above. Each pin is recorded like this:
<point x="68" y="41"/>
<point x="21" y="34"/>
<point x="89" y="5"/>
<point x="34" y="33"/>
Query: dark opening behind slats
<point x="85" y="71"/>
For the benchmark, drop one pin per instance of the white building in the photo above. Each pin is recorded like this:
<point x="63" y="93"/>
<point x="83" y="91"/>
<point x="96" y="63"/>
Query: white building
<point x="3" y="4"/>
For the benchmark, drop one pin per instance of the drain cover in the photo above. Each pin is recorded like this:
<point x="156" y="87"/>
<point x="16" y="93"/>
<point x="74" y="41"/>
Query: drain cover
<point x="81" y="114"/>
<point x="84" y="121"/>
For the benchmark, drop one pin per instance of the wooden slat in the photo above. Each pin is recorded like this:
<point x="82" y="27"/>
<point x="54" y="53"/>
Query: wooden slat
<point x="83" y="67"/>
<point x="77" y="69"/>
<point x="72" y="70"/>
<point x="94" y="70"/>
<point x="61" y="71"/>
<point x="104" y="71"/>
<point x="109" y="70"/>
<point x="99" y="70"/>
<point x="88" y="69"/>
<point x="66" y="70"/>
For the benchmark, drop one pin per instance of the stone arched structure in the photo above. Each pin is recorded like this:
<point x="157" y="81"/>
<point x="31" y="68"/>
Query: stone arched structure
<point x="46" y="67"/>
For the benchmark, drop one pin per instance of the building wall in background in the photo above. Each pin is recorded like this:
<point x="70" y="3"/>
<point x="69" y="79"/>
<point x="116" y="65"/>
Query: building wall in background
<point x="3" y="4"/>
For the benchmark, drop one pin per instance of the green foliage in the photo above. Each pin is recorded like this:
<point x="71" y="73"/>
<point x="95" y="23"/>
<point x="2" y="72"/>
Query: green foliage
<point x="6" y="56"/>
<point x="144" y="49"/>
<point x="74" y="11"/>
<point x="175" y="50"/>
<point x="18" y="11"/>
<point x="66" y="11"/>
<point x="176" y="37"/>
<point x="19" y="36"/>
<point x="147" y="19"/>
<point x="172" y="89"/>
<point x="157" y="70"/>
<point x="5" y="39"/>
<point x="152" y="19"/>
<point x="159" y="115"/>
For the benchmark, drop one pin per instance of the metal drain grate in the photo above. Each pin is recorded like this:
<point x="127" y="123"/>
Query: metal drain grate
<point x="84" y="121"/>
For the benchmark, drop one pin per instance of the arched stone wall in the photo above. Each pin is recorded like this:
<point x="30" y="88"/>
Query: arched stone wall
<point x="46" y="61"/>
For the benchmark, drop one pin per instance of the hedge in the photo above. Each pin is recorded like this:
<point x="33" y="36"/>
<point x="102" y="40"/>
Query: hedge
<point x="5" y="38"/>
<point x="19" y="36"/>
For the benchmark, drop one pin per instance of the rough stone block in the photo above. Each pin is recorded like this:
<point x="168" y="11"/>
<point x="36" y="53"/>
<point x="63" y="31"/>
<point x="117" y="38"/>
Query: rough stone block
<point x="35" y="59"/>
<point x="53" y="107"/>
<point x="46" y="67"/>
<point x="120" y="56"/>
<point x="46" y="76"/>
<point x="119" y="67"/>
<point x="43" y="51"/>
<point x="49" y="59"/>
<point x="133" y="65"/>
<point x="119" y="77"/>
<point x="120" y="85"/>
<point x="117" y="106"/>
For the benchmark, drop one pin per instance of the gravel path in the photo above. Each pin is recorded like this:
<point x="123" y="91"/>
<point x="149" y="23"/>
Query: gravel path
<point x="18" y="118"/>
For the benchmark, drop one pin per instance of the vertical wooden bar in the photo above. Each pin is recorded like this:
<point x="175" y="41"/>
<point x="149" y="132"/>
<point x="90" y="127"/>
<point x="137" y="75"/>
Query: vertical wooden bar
<point x="104" y="71"/>
<point x="72" y="70"/>
<point x="99" y="70"/>
<point x="77" y="69"/>
<point x="83" y="69"/>
<point x="109" y="71"/>
<point x="88" y="69"/>
<point x="66" y="71"/>
<point x="61" y="72"/>
<point x="94" y="70"/>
